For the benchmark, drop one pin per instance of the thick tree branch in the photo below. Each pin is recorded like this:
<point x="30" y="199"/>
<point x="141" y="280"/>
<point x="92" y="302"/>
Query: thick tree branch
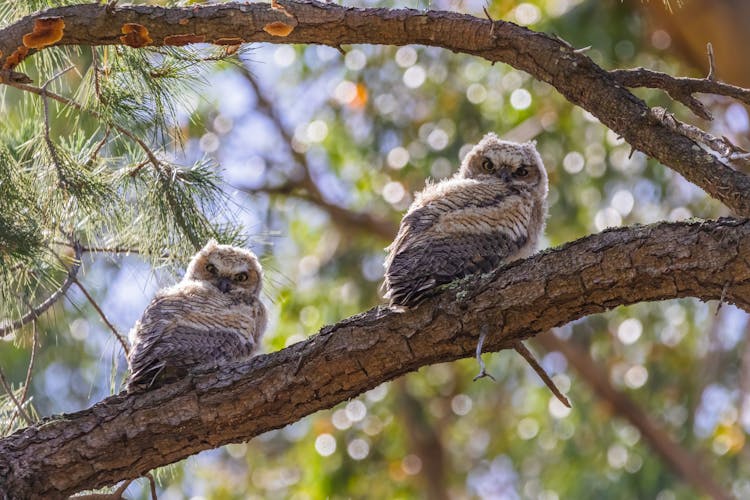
<point x="545" y="57"/>
<point x="127" y="435"/>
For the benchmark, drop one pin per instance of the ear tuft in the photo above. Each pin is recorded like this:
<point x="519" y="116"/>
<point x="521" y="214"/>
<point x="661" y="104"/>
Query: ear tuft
<point x="211" y="245"/>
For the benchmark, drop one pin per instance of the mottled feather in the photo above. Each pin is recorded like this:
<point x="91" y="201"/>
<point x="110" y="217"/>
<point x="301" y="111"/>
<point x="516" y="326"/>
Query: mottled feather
<point x="214" y="315"/>
<point x="486" y="215"/>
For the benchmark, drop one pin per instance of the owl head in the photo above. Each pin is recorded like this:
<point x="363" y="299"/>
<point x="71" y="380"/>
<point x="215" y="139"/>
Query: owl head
<point x="516" y="164"/>
<point x="230" y="269"/>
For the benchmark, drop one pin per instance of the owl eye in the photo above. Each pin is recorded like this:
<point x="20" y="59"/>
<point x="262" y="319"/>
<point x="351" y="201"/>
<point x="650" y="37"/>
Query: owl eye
<point x="521" y="172"/>
<point x="487" y="165"/>
<point x="240" y="277"/>
<point x="211" y="268"/>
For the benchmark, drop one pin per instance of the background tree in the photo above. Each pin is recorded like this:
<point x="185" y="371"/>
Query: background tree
<point x="111" y="179"/>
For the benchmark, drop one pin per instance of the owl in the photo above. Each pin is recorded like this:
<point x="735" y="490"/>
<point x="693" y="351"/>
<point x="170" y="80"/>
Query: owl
<point x="491" y="212"/>
<point x="212" y="316"/>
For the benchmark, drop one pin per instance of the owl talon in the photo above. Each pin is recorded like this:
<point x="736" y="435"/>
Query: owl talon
<point x="482" y="368"/>
<point x="531" y="360"/>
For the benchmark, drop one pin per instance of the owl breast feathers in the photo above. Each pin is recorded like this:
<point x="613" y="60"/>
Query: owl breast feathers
<point x="491" y="212"/>
<point x="212" y="316"/>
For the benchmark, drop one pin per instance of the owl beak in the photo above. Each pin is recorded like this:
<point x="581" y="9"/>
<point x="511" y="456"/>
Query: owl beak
<point x="505" y="175"/>
<point x="225" y="284"/>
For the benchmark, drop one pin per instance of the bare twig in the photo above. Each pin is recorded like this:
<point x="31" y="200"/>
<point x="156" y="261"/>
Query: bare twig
<point x="35" y="312"/>
<point x="96" y="249"/>
<point x="711" y="62"/>
<point x="152" y="485"/>
<point x="721" y="146"/>
<point x="681" y="89"/>
<point x="29" y="371"/>
<point x="531" y="360"/>
<point x="8" y="389"/>
<point x="61" y="178"/>
<point x="686" y="464"/>
<point x="106" y="321"/>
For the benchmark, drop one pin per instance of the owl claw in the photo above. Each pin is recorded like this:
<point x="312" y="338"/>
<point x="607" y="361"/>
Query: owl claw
<point x="482" y="368"/>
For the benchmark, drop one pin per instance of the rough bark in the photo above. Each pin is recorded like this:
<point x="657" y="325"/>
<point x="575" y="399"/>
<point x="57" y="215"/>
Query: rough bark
<point x="546" y="58"/>
<point x="125" y="436"/>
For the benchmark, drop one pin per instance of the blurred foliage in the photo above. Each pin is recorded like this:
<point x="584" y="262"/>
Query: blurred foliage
<point x="368" y="127"/>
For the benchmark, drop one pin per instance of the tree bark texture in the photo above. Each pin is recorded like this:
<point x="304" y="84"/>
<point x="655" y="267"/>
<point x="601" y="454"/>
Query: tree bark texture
<point x="545" y="57"/>
<point x="127" y="435"/>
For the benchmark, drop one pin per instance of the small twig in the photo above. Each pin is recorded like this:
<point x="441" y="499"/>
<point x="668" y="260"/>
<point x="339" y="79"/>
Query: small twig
<point x="8" y="76"/>
<point x="720" y="145"/>
<point x="721" y="298"/>
<point x="531" y="360"/>
<point x="682" y="89"/>
<point x="9" y="390"/>
<point x="492" y="22"/>
<point x="95" y="72"/>
<point x="711" y="63"/>
<point x="152" y="484"/>
<point x="62" y="181"/>
<point x="29" y="371"/>
<point x="582" y="49"/>
<point x="106" y="321"/>
<point x="99" y="147"/>
<point x="37" y="311"/>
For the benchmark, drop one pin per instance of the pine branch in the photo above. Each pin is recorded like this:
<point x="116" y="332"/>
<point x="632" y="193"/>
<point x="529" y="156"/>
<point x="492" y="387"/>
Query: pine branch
<point x="570" y="71"/>
<point x="35" y="312"/>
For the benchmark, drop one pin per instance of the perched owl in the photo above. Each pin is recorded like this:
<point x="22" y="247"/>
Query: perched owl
<point x="489" y="213"/>
<point x="212" y="316"/>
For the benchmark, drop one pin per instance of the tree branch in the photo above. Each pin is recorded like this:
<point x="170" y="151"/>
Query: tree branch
<point x="545" y="57"/>
<point x="680" y="89"/>
<point x="306" y="188"/>
<point x="127" y="435"/>
<point x="35" y="312"/>
<point x="685" y="464"/>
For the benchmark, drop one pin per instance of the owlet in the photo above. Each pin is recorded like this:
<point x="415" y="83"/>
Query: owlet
<point x="212" y="316"/>
<point x="491" y="212"/>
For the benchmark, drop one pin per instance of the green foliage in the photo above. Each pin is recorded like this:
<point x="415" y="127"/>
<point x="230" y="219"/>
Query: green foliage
<point x="369" y="126"/>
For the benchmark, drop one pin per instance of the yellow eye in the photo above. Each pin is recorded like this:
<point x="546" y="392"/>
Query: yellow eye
<point x="240" y="277"/>
<point x="211" y="268"/>
<point x="521" y="172"/>
<point x="487" y="165"/>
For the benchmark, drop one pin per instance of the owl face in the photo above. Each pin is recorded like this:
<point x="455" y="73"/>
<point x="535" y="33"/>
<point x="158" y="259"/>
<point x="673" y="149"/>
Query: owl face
<point x="230" y="269"/>
<point x="515" y="164"/>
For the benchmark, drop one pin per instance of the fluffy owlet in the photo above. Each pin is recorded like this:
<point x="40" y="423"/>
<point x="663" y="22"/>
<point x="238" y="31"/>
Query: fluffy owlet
<point x="491" y="212"/>
<point x="212" y="316"/>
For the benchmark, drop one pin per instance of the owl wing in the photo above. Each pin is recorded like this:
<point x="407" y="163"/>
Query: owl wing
<point x="469" y="230"/>
<point x="168" y="340"/>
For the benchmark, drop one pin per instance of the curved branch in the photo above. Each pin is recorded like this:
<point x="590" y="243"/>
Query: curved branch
<point x="127" y="435"/>
<point x="680" y="89"/>
<point x="545" y="57"/>
<point x="306" y="188"/>
<point x="688" y="465"/>
<point x="35" y="312"/>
